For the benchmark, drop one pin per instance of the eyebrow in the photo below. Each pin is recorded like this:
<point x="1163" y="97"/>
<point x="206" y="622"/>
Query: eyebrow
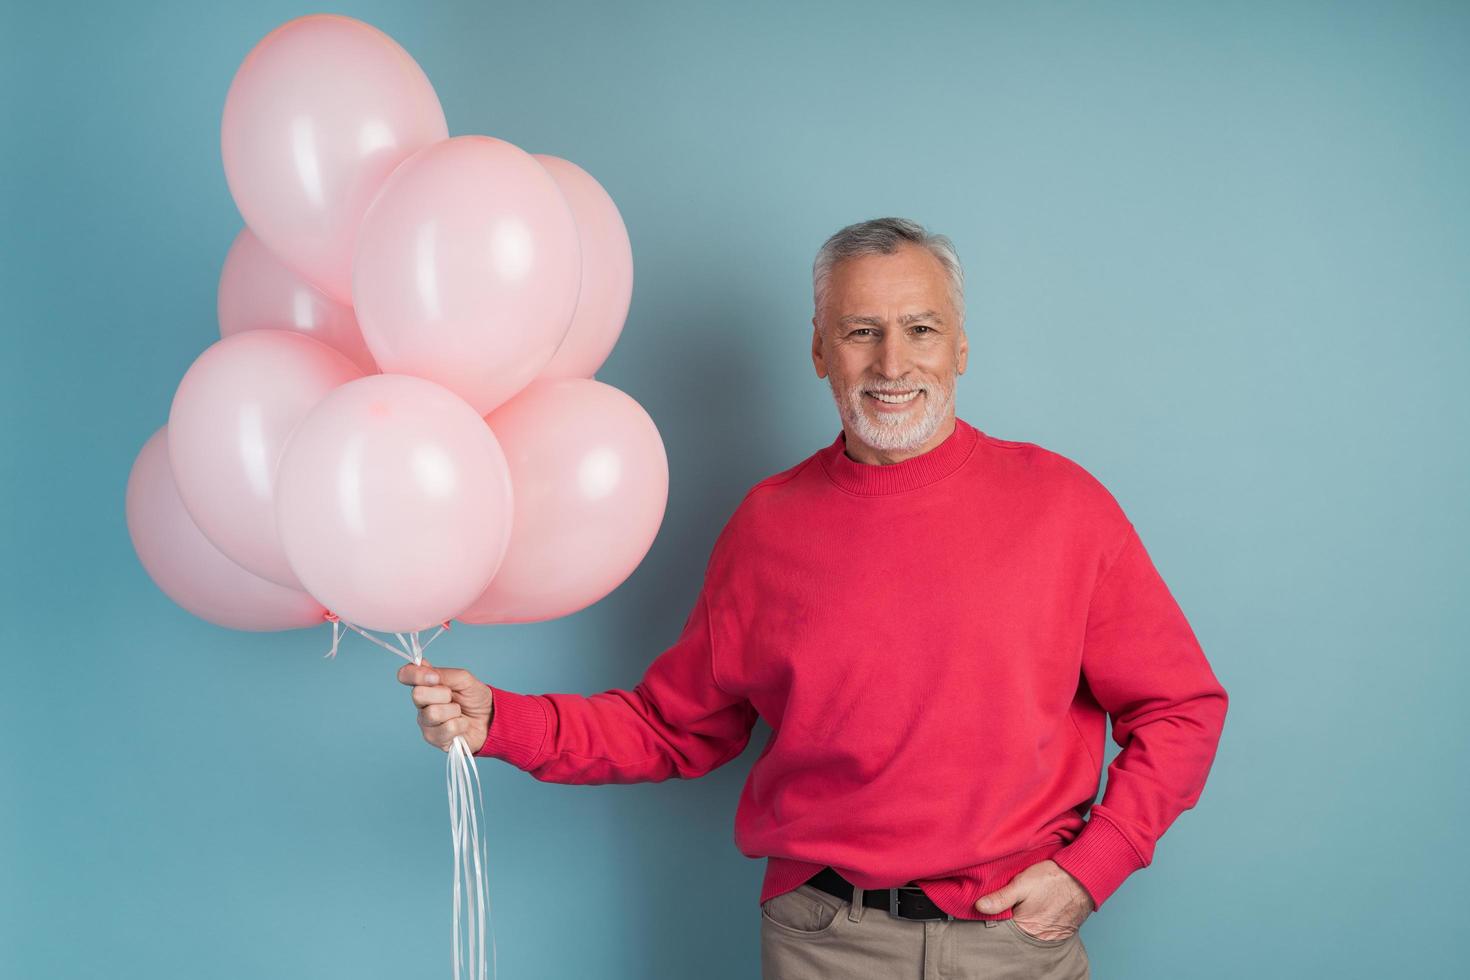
<point x="877" y="321"/>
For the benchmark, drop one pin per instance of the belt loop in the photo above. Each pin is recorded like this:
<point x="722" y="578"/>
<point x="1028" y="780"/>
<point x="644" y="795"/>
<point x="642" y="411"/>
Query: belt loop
<point x="855" y="910"/>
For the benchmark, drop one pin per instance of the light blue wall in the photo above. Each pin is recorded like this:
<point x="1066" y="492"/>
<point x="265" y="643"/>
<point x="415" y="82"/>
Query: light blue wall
<point x="1218" y="254"/>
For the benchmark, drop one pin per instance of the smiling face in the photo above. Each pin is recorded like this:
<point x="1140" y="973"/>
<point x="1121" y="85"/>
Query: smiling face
<point x="891" y="344"/>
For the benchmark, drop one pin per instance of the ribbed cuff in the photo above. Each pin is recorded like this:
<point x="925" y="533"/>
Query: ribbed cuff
<point x="517" y="728"/>
<point x="1100" y="858"/>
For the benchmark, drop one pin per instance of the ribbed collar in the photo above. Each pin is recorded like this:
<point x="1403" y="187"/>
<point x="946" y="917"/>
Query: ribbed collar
<point x="909" y="474"/>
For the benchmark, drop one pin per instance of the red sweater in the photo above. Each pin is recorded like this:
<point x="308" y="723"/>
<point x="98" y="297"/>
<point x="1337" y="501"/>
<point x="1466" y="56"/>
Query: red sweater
<point x="936" y="645"/>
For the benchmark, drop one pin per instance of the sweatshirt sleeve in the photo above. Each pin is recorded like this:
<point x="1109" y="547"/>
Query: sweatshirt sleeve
<point x="1145" y="667"/>
<point x="677" y="721"/>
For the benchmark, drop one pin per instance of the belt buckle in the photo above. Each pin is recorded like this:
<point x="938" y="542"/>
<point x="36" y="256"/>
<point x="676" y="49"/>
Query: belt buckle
<point x="893" y="904"/>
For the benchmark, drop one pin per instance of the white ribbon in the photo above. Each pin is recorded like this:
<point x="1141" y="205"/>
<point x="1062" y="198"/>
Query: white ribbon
<point x="466" y="821"/>
<point x="406" y="652"/>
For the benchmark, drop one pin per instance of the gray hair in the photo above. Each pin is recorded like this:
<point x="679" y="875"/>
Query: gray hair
<point x="883" y="236"/>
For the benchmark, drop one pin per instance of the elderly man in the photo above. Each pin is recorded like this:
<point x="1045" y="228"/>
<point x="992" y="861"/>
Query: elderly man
<point x="936" y="624"/>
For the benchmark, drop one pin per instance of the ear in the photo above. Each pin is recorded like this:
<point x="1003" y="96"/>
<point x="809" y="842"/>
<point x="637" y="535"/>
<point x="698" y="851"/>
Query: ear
<point x="963" y="359"/>
<point x="818" y="361"/>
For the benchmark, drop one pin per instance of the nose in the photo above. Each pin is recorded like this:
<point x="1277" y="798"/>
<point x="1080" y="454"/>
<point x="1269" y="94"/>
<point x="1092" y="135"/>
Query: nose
<point x="892" y="357"/>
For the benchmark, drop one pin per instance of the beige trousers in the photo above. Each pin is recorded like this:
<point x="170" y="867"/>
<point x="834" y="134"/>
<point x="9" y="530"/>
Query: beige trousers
<point x="807" y="934"/>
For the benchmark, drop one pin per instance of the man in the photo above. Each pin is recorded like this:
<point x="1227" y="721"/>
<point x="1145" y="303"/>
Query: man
<point x="936" y="624"/>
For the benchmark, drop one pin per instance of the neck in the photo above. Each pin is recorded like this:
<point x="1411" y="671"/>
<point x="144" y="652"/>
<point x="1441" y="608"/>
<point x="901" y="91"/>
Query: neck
<point x="863" y="453"/>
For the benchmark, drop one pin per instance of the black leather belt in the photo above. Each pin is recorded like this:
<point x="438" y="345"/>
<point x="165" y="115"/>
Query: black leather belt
<point x="904" y="902"/>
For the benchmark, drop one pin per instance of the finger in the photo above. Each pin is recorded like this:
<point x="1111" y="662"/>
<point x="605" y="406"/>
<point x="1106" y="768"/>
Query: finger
<point x="431" y="695"/>
<point x="999" y="900"/>
<point x="437" y="739"/>
<point x="438" y="714"/>
<point x="429" y="723"/>
<point x="443" y="736"/>
<point x="418" y="675"/>
<point x="457" y="680"/>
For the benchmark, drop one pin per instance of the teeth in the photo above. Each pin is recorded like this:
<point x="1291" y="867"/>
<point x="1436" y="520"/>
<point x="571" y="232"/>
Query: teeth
<point x="895" y="399"/>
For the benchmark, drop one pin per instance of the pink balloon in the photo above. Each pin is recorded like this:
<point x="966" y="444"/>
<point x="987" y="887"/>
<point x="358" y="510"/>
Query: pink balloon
<point x="591" y="482"/>
<point x="257" y="291"/>
<point x="318" y="115"/>
<point x="607" y="273"/>
<point x="467" y="269"/>
<point x="230" y="418"/>
<point x="191" y="571"/>
<point x="394" y="503"/>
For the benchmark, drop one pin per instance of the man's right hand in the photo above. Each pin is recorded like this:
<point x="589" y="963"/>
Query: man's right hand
<point x="451" y="703"/>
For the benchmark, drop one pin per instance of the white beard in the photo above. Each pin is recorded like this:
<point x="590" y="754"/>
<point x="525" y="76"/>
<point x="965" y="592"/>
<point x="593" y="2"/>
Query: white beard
<point x="899" y="432"/>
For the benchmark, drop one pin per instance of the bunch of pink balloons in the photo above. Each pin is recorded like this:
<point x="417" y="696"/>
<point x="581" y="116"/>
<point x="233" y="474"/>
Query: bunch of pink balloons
<point x="399" y="425"/>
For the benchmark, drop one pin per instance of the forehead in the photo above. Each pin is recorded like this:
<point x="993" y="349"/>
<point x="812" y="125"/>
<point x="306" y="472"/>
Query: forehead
<point x="910" y="276"/>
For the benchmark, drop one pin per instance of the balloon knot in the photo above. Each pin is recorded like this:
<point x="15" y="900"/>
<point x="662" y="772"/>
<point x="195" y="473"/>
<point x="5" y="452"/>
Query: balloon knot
<point x="445" y="624"/>
<point x="329" y="616"/>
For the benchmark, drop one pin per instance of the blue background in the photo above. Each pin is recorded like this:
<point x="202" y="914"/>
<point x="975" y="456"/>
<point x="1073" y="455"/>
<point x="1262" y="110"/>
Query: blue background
<point x="1216" y="253"/>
